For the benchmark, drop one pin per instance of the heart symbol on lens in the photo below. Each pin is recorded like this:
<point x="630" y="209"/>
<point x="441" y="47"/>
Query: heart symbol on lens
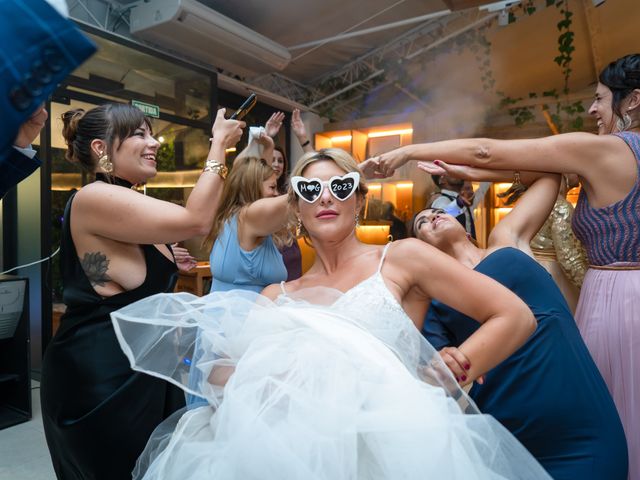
<point x="308" y="189"/>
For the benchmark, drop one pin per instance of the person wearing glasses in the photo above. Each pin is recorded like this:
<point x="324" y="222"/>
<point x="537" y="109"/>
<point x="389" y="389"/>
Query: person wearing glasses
<point x="327" y="376"/>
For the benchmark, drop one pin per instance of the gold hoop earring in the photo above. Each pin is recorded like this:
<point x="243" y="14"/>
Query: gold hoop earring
<point x="104" y="163"/>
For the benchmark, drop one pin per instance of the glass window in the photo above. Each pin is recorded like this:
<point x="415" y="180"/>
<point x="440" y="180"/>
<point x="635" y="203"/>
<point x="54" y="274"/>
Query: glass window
<point x="121" y="73"/>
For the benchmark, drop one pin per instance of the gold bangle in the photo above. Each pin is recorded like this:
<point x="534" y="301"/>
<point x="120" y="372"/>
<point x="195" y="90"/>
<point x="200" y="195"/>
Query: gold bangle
<point x="216" y="167"/>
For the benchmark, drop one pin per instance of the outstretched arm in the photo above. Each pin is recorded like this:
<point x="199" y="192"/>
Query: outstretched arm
<point x="267" y="147"/>
<point x="124" y="215"/>
<point x="272" y="127"/>
<point x="265" y="216"/>
<point x="527" y="216"/>
<point x="586" y="154"/>
<point x="300" y="131"/>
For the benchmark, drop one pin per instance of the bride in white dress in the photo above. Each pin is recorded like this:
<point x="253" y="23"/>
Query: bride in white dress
<point x="327" y="377"/>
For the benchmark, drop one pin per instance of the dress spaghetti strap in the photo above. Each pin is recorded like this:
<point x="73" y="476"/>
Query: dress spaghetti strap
<point x="384" y="253"/>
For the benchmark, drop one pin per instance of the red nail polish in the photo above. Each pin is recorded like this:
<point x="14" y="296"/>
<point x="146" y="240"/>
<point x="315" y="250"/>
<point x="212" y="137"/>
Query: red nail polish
<point x="464" y="378"/>
<point x="467" y="366"/>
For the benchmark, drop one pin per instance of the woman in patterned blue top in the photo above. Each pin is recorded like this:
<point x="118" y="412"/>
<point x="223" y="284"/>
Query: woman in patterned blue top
<point x="535" y="393"/>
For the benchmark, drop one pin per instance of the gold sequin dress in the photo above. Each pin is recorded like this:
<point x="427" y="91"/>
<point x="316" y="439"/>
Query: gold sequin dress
<point x="558" y="250"/>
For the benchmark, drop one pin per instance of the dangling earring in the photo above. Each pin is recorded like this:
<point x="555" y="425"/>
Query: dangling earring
<point x="104" y="163"/>
<point x="298" y="227"/>
<point x="357" y="220"/>
<point x="622" y="124"/>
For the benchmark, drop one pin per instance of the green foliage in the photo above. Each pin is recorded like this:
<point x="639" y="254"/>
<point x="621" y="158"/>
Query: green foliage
<point x="567" y="116"/>
<point x="166" y="157"/>
<point x="565" y="42"/>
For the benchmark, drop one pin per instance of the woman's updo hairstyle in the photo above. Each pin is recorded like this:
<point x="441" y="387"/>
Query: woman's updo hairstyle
<point x="108" y="122"/>
<point x="621" y="77"/>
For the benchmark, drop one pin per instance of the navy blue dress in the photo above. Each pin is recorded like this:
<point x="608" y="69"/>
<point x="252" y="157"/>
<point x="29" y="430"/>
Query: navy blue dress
<point x="549" y="393"/>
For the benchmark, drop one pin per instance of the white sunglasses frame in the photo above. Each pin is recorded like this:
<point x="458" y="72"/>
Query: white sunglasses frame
<point x="325" y="184"/>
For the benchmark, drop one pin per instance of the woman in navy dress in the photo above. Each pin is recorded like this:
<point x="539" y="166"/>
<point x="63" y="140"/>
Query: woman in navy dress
<point x="549" y="393"/>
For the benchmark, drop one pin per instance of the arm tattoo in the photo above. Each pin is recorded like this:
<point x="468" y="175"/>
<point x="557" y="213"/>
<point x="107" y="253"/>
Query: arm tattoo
<point x="95" y="266"/>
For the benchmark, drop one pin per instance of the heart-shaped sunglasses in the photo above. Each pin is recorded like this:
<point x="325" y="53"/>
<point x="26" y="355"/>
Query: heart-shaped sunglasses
<point x="310" y="189"/>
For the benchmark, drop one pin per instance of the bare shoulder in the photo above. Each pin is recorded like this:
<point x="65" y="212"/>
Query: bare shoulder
<point x="100" y="191"/>
<point x="405" y="258"/>
<point x="271" y="291"/>
<point x="408" y="250"/>
<point x="598" y="146"/>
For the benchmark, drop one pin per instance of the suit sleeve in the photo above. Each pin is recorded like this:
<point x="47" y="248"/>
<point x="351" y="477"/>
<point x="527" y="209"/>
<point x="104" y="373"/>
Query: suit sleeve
<point x="15" y="166"/>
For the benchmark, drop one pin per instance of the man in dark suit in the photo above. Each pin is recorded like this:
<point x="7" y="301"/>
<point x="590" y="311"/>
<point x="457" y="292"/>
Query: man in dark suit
<point x="39" y="49"/>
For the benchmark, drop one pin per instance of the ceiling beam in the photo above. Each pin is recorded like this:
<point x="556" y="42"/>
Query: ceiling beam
<point x="595" y="37"/>
<point x="368" y="31"/>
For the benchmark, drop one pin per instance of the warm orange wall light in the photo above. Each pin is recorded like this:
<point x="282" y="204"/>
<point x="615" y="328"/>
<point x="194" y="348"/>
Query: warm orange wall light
<point x="388" y="133"/>
<point x="343" y="138"/>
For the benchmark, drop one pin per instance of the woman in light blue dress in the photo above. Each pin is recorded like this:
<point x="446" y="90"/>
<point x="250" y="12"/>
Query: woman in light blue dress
<point x="249" y="228"/>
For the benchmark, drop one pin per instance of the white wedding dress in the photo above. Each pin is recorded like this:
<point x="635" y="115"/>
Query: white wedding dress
<point x="324" y="385"/>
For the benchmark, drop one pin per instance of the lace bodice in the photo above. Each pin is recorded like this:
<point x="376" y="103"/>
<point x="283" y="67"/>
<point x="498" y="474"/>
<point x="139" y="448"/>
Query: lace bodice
<point x="371" y="305"/>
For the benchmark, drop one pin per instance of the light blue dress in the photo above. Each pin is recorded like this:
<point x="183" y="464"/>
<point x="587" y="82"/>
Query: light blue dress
<point x="236" y="269"/>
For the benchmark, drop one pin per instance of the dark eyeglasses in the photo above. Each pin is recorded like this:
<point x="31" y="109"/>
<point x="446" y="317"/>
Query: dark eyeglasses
<point x="310" y="189"/>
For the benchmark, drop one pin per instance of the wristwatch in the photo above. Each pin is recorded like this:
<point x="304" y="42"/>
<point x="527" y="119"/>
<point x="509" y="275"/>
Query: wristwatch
<point x="216" y="167"/>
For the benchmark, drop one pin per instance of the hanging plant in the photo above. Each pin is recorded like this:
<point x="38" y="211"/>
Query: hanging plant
<point x="567" y="116"/>
<point x="565" y="42"/>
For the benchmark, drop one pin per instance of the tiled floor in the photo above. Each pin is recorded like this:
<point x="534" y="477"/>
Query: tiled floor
<point x="23" y="449"/>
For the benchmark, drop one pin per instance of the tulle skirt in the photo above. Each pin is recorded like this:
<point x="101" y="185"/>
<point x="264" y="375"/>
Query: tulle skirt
<point x="608" y="316"/>
<point x="301" y="391"/>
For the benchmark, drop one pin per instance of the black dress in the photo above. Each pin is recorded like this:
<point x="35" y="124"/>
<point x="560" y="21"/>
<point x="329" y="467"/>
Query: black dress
<point x="98" y="413"/>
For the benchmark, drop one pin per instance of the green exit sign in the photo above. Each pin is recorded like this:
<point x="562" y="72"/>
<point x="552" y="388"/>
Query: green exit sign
<point x="148" y="109"/>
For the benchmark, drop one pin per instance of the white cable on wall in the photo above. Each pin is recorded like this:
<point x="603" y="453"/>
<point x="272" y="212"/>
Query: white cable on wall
<point x="32" y="263"/>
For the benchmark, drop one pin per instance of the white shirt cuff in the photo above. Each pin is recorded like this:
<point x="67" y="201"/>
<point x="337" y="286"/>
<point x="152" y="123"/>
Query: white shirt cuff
<point x="28" y="151"/>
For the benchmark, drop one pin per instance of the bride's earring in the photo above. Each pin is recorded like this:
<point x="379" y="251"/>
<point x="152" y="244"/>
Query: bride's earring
<point x="357" y="220"/>
<point x="298" y="227"/>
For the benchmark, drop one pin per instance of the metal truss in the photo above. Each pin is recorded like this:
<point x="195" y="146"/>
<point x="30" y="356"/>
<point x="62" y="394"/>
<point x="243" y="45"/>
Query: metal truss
<point x="286" y="87"/>
<point x="336" y="93"/>
<point x="107" y="15"/>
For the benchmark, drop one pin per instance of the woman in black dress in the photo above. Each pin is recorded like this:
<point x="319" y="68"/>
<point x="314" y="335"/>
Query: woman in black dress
<point x="98" y="413"/>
